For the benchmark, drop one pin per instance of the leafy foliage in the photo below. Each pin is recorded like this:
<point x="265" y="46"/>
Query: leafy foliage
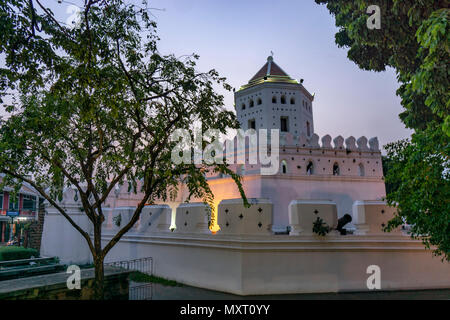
<point x="17" y="253"/>
<point x="421" y="175"/>
<point x="94" y="106"/>
<point x="117" y="220"/>
<point x="320" y="227"/>
<point x="413" y="39"/>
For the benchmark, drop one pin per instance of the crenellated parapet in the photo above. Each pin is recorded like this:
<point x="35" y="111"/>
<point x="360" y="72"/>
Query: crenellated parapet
<point x="315" y="156"/>
<point x="236" y="219"/>
<point x="327" y="142"/>
<point x="303" y="214"/>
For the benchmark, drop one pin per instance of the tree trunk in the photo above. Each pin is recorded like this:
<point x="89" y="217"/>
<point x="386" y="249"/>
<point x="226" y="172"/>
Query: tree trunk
<point x="99" y="285"/>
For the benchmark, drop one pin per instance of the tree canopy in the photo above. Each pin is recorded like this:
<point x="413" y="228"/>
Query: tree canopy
<point x="94" y="106"/>
<point x="414" y="40"/>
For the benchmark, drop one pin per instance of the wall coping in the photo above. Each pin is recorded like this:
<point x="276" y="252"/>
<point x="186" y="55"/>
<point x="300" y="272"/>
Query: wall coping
<point x="250" y="200"/>
<point x="312" y="201"/>
<point x="192" y="204"/>
<point x="369" y="202"/>
<point x="157" y="206"/>
<point x="299" y="243"/>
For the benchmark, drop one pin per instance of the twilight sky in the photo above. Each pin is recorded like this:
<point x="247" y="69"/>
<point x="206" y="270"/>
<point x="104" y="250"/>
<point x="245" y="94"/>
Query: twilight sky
<point x="235" y="38"/>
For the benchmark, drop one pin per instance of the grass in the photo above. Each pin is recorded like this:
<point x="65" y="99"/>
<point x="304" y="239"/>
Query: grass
<point x="138" y="276"/>
<point x="17" y="253"/>
<point x="143" y="277"/>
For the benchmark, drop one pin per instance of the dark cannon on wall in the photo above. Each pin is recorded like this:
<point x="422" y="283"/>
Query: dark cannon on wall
<point x="342" y="222"/>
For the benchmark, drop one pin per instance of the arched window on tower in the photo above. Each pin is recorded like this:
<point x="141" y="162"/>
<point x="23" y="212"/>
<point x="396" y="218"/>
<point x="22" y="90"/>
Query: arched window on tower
<point x="361" y="171"/>
<point x="274" y="99"/>
<point x="310" y="168"/>
<point x="308" y="129"/>
<point x="336" y="171"/>
<point x="284" y="167"/>
<point x="283" y="100"/>
<point x="292" y="100"/>
<point x="259" y="101"/>
<point x="252" y="104"/>
<point x="243" y="106"/>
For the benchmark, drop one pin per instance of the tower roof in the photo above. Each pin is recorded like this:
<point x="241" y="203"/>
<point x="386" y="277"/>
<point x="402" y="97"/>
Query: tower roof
<point x="270" y="72"/>
<point x="269" y="69"/>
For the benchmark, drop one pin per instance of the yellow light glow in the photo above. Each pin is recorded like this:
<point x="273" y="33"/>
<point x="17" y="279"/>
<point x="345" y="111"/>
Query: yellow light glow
<point x="214" y="227"/>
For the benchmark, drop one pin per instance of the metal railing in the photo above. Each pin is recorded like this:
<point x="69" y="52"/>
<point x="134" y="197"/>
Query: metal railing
<point x="144" y="265"/>
<point x="137" y="291"/>
<point x="141" y="292"/>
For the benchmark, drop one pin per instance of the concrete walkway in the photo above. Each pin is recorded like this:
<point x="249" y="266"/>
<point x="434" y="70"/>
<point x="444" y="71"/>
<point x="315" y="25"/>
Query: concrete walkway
<point x="161" y="292"/>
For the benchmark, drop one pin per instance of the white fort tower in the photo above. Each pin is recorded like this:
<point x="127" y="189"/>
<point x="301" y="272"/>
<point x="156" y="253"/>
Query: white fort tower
<point x="339" y="170"/>
<point x="273" y="100"/>
<point x="271" y="247"/>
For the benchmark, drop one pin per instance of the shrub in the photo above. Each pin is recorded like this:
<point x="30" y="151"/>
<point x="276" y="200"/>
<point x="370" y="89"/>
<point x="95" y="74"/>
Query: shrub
<point x="320" y="227"/>
<point x="17" y="253"/>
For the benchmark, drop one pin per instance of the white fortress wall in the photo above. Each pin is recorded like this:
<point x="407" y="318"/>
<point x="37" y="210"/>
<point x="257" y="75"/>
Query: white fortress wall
<point x="246" y="258"/>
<point x="309" y="174"/>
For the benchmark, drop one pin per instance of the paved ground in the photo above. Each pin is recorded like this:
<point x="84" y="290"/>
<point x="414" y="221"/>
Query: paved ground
<point x="160" y="292"/>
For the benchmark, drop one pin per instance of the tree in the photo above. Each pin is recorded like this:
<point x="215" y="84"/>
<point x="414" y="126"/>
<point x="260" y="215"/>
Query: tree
<point x="413" y="39"/>
<point x="419" y="177"/>
<point x="94" y="106"/>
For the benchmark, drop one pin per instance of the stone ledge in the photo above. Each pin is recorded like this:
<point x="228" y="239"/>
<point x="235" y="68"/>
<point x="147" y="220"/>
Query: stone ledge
<point x="54" y="286"/>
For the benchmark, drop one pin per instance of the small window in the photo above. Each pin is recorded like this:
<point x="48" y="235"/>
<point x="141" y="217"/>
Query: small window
<point x="284" y="125"/>
<point x="252" y="104"/>
<point x="259" y="101"/>
<point x="283" y="100"/>
<point x="283" y="167"/>
<point x="310" y="168"/>
<point x="243" y="106"/>
<point x="336" y="171"/>
<point x="29" y="203"/>
<point x="292" y="100"/>
<point x="274" y="99"/>
<point x="13" y="203"/>
<point x="308" y="129"/>
<point x="361" y="171"/>
<point x="252" y="124"/>
<point x="1" y="201"/>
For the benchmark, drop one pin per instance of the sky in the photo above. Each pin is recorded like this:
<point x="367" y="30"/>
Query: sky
<point x="235" y="37"/>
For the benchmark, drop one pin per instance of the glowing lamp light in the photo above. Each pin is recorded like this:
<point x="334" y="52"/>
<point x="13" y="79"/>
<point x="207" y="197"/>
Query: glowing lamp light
<point x="214" y="227"/>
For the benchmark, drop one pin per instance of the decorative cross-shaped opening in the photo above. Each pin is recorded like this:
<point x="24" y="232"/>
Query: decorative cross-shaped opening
<point x="316" y="212"/>
<point x="187" y="212"/>
<point x="227" y="224"/>
<point x="260" y="224"/>
<point x="241" y="216"/>
<point x="185" y="224"/>
<point x="259" y="210"/>
<point x="226" y="210"/>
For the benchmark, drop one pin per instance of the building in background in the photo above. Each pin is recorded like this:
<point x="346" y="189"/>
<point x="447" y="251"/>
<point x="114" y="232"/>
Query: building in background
<point x="16" y="211"/>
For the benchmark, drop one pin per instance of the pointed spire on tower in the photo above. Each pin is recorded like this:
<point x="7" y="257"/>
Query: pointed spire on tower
<point x="270" y="69"/>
